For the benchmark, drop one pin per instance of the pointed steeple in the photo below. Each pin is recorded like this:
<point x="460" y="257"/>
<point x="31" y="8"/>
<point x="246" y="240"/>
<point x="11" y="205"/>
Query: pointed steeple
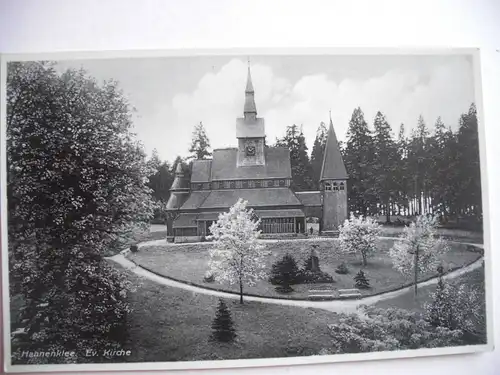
<point x="249" y="110"/>
<point x="333" y="167"/>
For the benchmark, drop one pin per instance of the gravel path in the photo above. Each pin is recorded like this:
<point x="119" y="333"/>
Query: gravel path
<point x="339" y="306"/>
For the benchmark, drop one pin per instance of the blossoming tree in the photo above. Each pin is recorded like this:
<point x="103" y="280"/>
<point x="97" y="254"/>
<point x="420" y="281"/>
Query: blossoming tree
<point x="237" y="257"/>
<point x="359" y="234"/>
<point x="418" y="248"/>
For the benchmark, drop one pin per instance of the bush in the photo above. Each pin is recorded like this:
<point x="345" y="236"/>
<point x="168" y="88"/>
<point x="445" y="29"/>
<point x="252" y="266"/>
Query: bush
<point x="223" y="326"/>
<point x="342" y="269"/>
<point x="390" y="329"/>
<point x="209" y="277"/>
<point x="458" y="307"/>
<point x="318" y="277"/>
<point x="134" y="248"/>
<point x="361" y="281"/>
<point x="285" y="272"/>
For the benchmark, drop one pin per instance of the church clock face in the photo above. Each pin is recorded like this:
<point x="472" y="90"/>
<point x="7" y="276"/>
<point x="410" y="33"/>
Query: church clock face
<point x="250" y="150"/>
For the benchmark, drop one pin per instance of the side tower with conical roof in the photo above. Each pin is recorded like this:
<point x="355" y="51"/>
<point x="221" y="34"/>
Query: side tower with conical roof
<point x="333" y="185"/>
<point x="250" y="131"/>
<point x="179" y="193"/>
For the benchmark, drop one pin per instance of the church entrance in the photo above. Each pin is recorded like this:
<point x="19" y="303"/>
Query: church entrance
<point x="300" y="225"/>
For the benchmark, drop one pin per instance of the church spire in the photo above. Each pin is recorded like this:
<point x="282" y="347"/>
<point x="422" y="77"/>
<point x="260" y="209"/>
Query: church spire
<point x="249" y="110"/>
<point x="333" y="167"/>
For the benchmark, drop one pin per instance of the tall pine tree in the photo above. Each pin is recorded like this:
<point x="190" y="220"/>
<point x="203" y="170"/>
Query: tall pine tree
<point x="302" y="173"/>
<point x="317" y="153"/>
<point x="359" y="154"/>
<point x="200" y="144"/>
<point x="384" y="164"/>
<point x="470" y="175"/>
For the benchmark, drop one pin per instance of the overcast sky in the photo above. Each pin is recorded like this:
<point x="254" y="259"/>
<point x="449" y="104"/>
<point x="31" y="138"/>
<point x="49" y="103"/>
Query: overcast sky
<point x="172" y="94"/>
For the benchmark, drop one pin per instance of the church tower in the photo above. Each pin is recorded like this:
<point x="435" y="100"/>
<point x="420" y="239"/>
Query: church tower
<point x="250" y="131"/>
<point x="333" y="185"/>
<point x="179" y="192"/>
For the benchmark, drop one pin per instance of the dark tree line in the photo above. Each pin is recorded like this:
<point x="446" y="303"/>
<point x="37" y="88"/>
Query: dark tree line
<point x="432" y="170"/>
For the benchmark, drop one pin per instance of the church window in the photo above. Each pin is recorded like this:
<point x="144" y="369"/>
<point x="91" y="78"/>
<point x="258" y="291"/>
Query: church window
<point x="227" y="184"/>
<point x="342" y="187"/>
<point x="238" y="184"/>
<point x="282" y="182"/>
<point x="276" y="183"/>
<point x="251" y="184"/>
<point x="335" y="186"/>
<point x="328" y="186"/>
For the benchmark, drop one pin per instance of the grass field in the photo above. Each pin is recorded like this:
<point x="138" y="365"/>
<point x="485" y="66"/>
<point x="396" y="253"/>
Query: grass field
<point x="169" y="324"/>
<point x="189" y="263"/>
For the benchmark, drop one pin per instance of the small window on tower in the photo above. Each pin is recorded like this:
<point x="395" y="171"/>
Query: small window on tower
<point x="328" y="186"/>
<point x="342" y="187"/>
<point x="335" y="186"/>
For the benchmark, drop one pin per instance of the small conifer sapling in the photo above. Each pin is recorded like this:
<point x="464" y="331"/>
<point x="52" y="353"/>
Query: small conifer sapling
<point x="361" y="282"/>
<point x="223" y="326"/>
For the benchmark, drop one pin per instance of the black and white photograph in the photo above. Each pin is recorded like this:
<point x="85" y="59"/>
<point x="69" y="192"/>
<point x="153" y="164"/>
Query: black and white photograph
<point x="251" y="208"/>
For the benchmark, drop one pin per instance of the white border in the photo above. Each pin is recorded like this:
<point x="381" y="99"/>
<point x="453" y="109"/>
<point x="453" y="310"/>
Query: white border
<point x="474" y="52"/>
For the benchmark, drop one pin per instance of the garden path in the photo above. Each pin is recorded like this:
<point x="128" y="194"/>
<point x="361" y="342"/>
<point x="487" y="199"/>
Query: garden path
<point x="338" y="306"/>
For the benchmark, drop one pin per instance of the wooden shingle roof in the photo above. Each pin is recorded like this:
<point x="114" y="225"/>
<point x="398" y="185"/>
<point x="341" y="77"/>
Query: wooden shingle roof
<point x="221" y="199"/>
<point x="277" y="165"/>
<point x="309" y="198"/>
<point x="333" y="167"/>
<point x="200" y="171"/>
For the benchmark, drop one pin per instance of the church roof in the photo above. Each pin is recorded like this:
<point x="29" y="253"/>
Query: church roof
<point x="195" y="200"/>
<point x="309" y="198"/>
<point x="277" y="165"/>
<point x="255" y="197"/>
<point x="333" y="166"/>
<point x="176" y="200"/>
<point x="200" y="171"/>
<point x="250" y="128"/>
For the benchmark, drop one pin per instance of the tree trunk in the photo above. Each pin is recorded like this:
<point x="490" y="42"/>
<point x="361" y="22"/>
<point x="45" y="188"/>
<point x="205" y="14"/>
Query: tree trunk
<point x="241" y="292"/>
<point x="388" y="213"/>
<point x="364" y="258"/>
<point x="415" y="266"/>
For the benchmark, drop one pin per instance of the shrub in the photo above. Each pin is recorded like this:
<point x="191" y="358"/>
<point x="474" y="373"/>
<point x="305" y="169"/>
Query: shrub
<point x="318" y="277"/>
<point x="134" y="248"/>
<point x="223" y="326"/>
<point x="209" y="277"/>
<point x="361" y="281"/>
<point x="458" y="307"/>
<point x="342" y="269"/>
<point x="390" y="329"/>
<point x="285" y="272"/>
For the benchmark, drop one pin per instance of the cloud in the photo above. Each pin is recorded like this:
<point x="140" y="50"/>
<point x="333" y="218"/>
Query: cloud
<point x="445" y="90"/>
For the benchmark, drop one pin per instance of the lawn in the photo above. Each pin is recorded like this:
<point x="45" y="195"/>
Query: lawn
<point x="169" y="324"/>
<point x="190" y="262"/>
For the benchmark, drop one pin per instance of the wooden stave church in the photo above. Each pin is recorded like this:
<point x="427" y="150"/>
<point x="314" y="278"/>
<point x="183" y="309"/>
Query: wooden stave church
<point x="260" y="175"/>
